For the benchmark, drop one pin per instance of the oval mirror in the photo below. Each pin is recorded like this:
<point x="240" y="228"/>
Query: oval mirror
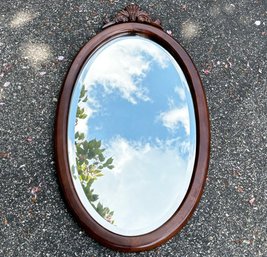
<point x="132" y="135"/>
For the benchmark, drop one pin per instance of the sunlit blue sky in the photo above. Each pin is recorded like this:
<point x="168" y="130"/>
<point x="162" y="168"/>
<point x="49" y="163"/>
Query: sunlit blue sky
<point x="141" y="109"/>
<point x="138" y="121"/>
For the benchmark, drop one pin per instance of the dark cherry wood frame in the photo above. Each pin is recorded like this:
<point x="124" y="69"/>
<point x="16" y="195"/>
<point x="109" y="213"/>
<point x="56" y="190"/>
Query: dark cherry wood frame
<point x="185" y="210"/>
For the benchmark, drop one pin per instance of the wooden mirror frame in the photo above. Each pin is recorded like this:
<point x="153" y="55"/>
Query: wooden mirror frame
<point x="140" y="24"/>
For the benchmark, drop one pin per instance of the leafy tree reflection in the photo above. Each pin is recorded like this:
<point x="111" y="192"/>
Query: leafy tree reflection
<point x="91" y="162"/>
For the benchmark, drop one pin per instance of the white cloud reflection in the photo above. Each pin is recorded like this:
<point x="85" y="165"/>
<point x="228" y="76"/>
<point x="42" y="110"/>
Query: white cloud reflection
<point x="181" y="92"/>
<point x="177" y="114"/>
<point x="122" y="67"/>
<point x="173" y="117"/>
<point x="142" y="188"/>
<point x="125" y="153"/>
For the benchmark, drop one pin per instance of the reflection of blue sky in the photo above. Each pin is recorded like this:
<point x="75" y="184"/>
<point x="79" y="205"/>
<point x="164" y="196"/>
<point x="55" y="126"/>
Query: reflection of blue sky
<point x="133" y="121"/>
<point x="141" y="109"/>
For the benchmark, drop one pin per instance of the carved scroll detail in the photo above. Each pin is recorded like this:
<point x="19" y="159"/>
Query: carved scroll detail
<point x="133" y="13"/>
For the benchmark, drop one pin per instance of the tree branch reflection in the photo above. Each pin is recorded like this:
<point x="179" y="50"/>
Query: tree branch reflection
<point x="91" y="163"/>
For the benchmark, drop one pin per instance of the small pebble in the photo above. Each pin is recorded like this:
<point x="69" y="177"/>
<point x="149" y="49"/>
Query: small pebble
<point x="257" y="23"/>
<point x="252" y="201"/>
<point x="169" y="32"/>
<point x="6" y="84"/>
<point x="29" y="139"/>
<point x="61" y="58"/>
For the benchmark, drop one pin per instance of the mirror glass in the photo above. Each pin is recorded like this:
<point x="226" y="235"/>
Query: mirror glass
<point x="131" y="135"/>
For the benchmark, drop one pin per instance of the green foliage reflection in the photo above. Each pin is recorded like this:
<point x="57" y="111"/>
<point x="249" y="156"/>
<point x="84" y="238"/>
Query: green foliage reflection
<point x="91" y="163"/>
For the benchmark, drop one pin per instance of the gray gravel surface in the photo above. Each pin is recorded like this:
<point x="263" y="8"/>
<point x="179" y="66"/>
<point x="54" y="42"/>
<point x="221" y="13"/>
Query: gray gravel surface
<point x="228" y="43"/>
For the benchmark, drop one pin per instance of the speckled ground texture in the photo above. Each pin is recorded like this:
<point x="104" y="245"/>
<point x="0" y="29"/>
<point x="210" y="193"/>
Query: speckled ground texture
<point x="227" y="41"/>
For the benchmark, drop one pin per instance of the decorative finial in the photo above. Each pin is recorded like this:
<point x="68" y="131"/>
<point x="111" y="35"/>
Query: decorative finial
<point x="133" y="13"/>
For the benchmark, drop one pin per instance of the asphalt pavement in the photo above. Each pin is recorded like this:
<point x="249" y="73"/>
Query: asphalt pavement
<point x="227" y="41"/>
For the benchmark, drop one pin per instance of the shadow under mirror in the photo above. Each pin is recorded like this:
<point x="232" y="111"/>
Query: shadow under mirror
<point x="131" y="135"/>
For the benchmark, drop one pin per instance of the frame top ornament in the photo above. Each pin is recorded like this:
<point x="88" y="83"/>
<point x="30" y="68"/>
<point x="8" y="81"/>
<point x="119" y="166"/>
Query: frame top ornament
<point x="133" y="13"/>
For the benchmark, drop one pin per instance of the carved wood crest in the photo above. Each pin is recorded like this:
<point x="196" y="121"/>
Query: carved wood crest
<point x="133" y="13"/>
